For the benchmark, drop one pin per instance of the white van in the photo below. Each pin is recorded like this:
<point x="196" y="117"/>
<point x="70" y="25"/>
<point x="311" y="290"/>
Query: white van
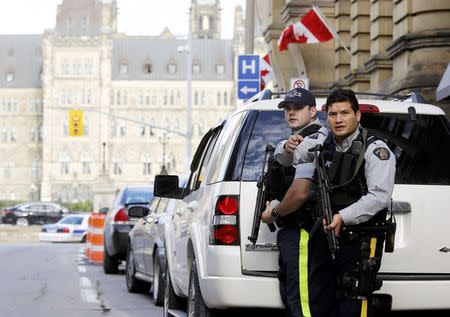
<point x="212" y="263"/>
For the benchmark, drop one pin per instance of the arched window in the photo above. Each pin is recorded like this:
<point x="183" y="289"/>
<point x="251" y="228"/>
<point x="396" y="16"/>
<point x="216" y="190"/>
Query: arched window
<point x="146" y="164"/>
<point x="64" y="161"/>
<point x="85" y="163"/>
<point x="117" y="164"/>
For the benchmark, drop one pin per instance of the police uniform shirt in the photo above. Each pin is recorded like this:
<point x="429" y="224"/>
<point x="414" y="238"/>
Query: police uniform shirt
<point x="379" y="170"/>
<point x="303" y="170"/>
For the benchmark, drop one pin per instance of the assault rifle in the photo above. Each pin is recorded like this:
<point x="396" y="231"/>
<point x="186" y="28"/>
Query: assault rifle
<point x="324" y="188"/>
<point x="262" y="197"/>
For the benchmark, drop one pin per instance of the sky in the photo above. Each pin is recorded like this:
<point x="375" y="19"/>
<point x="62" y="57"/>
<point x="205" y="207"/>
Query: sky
<point x="136" y="17"/>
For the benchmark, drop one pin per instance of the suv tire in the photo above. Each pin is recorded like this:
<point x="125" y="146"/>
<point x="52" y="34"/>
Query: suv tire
<point x="171" y="300"/>
<point x="110" y="264"/>
<point x="133" y="284"/>
<point x="195" y="305"/>
<point x="158" y="286"/>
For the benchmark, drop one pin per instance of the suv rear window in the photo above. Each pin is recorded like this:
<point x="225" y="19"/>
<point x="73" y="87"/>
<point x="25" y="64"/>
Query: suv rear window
<point x="137" y="195"/>
<point x="422" y="148"/>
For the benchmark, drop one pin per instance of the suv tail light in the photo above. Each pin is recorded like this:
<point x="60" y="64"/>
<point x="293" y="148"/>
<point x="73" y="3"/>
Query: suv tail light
<point x="121" y="217"/>
<point x="225" y="224"/>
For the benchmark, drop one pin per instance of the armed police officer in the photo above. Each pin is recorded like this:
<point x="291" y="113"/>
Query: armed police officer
<point x="361" y="172"/>
<point x="293" y="185"/>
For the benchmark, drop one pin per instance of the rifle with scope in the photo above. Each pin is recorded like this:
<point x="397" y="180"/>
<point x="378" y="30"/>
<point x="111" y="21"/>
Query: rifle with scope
<point x="262" y="197"/>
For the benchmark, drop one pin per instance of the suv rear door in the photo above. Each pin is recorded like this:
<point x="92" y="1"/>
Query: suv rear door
<point x="421" y="193"/>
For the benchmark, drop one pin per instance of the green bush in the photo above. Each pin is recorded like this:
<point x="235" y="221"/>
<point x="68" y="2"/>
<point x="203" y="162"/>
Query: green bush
<point x="84" y="206"/>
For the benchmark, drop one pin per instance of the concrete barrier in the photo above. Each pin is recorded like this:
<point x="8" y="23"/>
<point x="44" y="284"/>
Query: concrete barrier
<point x="12" y="233"/>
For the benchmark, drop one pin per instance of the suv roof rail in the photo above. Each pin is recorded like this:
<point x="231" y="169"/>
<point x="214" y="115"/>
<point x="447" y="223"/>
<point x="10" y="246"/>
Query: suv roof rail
<point x="267" y="94"/>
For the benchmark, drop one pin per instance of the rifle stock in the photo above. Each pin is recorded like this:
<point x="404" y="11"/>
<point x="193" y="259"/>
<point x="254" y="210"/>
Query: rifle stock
<point x="261" y="197"/>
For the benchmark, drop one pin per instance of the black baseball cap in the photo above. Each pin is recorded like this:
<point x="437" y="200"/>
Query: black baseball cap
<point x="300" y="97"/>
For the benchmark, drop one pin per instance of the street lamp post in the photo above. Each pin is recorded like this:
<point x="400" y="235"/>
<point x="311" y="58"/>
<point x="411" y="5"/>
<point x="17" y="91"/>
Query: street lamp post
<point x="189" y="99"/>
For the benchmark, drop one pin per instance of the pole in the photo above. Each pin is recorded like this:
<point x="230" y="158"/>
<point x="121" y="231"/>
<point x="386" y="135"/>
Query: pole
<point x="189" y="99"/>
<point x="249" y="26"/>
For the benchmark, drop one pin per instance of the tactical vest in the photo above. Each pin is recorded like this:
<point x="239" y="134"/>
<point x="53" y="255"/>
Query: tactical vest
<point x="349" y="184"/>
<point x="281" y="178"/>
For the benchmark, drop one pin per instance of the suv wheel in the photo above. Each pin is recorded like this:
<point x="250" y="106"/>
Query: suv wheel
<point x="110" y="264"/>
<point x="171" y="300"/>
<point x="22" y="222"/>
<point x="158" y="287"/>
<point x="196" y="305"/>
<point x="133" y="284"/>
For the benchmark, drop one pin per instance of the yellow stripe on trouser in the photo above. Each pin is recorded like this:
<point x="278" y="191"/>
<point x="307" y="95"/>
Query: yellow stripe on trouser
<point x="373" y="246"/>
<point x="303" y="272"/>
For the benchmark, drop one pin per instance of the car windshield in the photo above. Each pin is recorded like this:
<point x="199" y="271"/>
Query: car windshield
<point x="138" y="196"/>
<point x="71" y="221"/>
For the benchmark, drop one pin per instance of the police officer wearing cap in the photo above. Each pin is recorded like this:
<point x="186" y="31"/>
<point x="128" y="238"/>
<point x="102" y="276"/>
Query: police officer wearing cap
<point x="301" y="116"/>
<point x="361" y="169"/>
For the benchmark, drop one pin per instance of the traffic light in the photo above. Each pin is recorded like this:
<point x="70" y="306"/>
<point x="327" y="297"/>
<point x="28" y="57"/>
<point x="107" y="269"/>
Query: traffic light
<point x="76" y="123"/>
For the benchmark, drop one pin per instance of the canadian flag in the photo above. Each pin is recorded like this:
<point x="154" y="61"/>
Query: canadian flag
<point x="266" y="71"/>
<point x="312" y="28"/>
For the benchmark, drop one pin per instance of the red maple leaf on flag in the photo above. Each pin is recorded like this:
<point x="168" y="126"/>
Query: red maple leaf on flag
<point x="264" y="72"/>
<point x="302" y="38"/>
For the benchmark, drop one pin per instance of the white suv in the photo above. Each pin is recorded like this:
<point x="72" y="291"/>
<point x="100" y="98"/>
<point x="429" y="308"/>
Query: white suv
<point x="212" y="263"/>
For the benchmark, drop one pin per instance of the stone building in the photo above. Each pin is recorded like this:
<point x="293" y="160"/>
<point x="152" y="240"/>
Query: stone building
<point x="397" y="46"/>
<point x="126" y="87"/>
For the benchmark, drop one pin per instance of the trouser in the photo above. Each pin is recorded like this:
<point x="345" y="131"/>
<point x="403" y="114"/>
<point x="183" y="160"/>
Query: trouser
<point x="306" y="274"/>
<point x="312" y="284"/>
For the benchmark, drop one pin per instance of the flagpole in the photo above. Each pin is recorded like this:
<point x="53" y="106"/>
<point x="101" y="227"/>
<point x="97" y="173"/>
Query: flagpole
<point x="325" y="20"/>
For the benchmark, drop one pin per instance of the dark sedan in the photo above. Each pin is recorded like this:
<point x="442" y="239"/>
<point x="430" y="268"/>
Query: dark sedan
<point x="33" y="213"/>
<point x="118" y="224"/>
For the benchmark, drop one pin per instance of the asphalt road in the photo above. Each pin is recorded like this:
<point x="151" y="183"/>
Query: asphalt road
<point x="45" y="279"/>
<point x="48" y="279"/>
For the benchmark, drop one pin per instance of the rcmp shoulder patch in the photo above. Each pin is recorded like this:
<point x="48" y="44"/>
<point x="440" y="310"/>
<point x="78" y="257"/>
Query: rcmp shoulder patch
<point x="382" y="153"/>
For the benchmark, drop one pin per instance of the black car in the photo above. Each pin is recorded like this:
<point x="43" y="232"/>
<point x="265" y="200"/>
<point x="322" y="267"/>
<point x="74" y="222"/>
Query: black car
<point x="118" y="224"/>
<point x="33" y="213"/>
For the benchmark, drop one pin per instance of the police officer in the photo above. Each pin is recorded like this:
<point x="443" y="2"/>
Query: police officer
<point x="361" y="169"/>
<point x="301" y="116"/>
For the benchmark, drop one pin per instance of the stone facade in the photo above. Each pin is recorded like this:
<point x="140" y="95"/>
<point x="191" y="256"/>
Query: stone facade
<point x="397" y="46"/>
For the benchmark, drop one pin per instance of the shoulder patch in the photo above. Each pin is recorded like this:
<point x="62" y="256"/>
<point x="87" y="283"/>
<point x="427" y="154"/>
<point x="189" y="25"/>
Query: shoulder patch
<point x="314" y="136"/>
<point x="382" y="153"/>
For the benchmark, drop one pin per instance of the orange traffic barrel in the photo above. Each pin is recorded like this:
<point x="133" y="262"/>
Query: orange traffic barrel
<point x="96" y="238"/>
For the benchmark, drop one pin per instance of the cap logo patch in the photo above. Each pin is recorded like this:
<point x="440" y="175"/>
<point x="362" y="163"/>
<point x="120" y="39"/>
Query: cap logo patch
<point x="295" y="94"/>
<point x="382" y="153"/>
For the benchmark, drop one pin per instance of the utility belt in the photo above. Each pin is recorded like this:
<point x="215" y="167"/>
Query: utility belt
<point x="302" y="218"/>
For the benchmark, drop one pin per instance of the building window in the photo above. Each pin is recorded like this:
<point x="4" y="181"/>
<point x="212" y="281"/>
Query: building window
<point x="219" y="98"/>
<point x="172" y="98"/>
<point x="202" y="98"/>
<point x="220" y="69"/>
<point x="123" y="68"/>
<point x="225" y="98"/>
<point x="13" y="135"/>
<point x="147" y="68"/>
<point x="146" y="165"/>
<point x="196" y="69"/>
<point x="9" y="77"/>
<point x="4" y="134"/>
<point x="64" y="163"/>
<point x="113" y="128"/>
<point x="8" y="167"/>
<point x="142" y="128"/>
<point x="178" y="98"/>
<point x="33" y="135"/>
<point x="123" y="129"/>
<point x="36" y="169"/>
<point x="117" y="165"/>
<point x="196" y="98"/>
<point x="172" y="68"/>
<point x="85" y="164"/>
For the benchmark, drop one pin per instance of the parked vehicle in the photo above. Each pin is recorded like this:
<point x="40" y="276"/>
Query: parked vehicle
<point x="119" y="222"/>
<point x="146" y="258"/>
<point x="33" y="213"/>
<point x="72" y="228"/>
<point x="212" y="263"/>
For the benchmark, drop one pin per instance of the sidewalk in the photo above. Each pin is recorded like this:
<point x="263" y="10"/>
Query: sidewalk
<point x="10" y="233"/>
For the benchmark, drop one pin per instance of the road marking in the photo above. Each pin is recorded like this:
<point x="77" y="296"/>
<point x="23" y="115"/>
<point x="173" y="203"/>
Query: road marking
<point x="87" y="292"/>
<point x="81" y="269"/>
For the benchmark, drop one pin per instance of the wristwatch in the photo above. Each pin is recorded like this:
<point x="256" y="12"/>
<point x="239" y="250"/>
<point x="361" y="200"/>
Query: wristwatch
<point x="274" y="214"/>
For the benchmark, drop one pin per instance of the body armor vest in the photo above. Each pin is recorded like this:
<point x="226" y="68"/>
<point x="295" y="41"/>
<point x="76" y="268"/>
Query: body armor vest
<point x="281" y="178"/>
<point x="348" y="184"/>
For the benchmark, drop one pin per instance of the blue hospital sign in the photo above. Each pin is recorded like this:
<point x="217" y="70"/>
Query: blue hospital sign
<point x="248" y="76"/>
